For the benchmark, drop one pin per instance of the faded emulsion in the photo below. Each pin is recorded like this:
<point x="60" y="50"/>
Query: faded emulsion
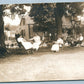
<point x="42" y="42"/>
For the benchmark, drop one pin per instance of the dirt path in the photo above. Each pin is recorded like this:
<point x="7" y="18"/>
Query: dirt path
<point x="65" y="65"/>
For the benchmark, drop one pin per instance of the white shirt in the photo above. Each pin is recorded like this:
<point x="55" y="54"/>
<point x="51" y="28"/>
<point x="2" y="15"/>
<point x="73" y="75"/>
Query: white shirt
<point x="81" y="38"/>
<point x="60" y="41"/>
<point x="20" y="39"/>
<point x="27" y="45"/>
<point x="36" y="38"/>
<point x="55" y="47"/>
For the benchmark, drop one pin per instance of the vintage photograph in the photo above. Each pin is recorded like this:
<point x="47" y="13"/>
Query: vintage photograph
<point x="42" y="42"/>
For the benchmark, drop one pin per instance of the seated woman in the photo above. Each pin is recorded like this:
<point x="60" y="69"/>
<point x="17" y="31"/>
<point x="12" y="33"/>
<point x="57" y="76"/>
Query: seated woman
<point x="27" y="45"/>
<point x="55" y="47"/>
<point x="37" y="41"/>
<point x="81" y="39"/>
<point x="60" y="41"/>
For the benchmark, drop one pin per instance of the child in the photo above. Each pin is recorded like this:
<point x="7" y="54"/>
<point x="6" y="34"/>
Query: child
<point x="81" y="39"/>
<point x="60" y="41"/>
<point x="55" y="47"/>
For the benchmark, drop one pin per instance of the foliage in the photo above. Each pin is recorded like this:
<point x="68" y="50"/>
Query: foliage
<point x="14" y="9"/>
<point x="48" y="16"/>
<point x="43" y="15"/>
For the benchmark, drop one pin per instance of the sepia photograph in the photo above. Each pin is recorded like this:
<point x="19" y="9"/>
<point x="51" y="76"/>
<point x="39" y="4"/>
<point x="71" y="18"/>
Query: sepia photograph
<point x="42" y="42"/>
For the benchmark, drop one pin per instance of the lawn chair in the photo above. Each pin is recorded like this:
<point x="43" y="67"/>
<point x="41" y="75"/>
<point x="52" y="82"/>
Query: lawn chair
<point x="28" y="46"/>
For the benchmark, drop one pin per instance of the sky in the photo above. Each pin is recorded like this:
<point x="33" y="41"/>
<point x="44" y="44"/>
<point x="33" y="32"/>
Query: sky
<point x="8" y="20"/>
<point x="16" y="21"/>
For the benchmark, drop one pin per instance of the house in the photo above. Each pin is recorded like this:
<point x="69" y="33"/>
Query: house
<point x="26" y="27"/>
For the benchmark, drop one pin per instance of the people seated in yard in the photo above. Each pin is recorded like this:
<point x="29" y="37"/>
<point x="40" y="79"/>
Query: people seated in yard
<point x="55" y="47"/>
<point x="19" y="40"/>
<point x="17" y="35"/>
<point x="75" y="41"/>
<point x="26" y="44"/>
<point x="81" y="39"/>
<point x="57" y="44"/>
<point x="37" y="41"/>
<point x="60" y="42"/>
<point x="66" y="43"/>
<point x="71" y="41"/>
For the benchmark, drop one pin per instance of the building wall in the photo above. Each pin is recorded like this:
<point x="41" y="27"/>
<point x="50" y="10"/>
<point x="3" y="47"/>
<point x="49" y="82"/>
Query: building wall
<point x="26" y="32"/>
<point x="26" y="25"/>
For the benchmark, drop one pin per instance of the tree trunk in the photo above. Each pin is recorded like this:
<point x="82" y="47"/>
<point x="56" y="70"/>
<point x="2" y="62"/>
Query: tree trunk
<point x="59" y="27"/>
<point x="2" y="38"/>
<point x="59" y="11"/>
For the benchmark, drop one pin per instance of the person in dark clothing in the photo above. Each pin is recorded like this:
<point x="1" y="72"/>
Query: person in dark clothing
<point x="16" y="37"/>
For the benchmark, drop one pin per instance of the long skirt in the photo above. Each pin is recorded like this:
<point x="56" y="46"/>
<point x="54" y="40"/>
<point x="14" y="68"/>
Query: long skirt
<point x="27" y="45"/>
<point x="55" y="47"/>
<point x="36" y="45"/>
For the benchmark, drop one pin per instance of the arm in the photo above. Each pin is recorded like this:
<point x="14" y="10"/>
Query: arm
<point x="31" y="39"/>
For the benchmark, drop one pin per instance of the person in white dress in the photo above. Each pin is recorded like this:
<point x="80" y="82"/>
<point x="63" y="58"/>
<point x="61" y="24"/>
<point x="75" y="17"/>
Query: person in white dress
<point x="55" y="47"/>
<point x="60" y="42"/>
<point x="37" y="41"/>
<point x="27" y="45"/>
<point x="81" y="39"/>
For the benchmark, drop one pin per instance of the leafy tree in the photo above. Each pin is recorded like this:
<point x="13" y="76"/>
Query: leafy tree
<point x="59" y="11"/>
<point x="48" y="16"/>
<point x="43" y="16"/>
<point x="15" y="9"/>
<point x="2" y="44"/>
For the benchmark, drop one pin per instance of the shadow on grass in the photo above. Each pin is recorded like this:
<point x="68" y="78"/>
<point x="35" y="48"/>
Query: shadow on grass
<point x="41" y="51"/>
